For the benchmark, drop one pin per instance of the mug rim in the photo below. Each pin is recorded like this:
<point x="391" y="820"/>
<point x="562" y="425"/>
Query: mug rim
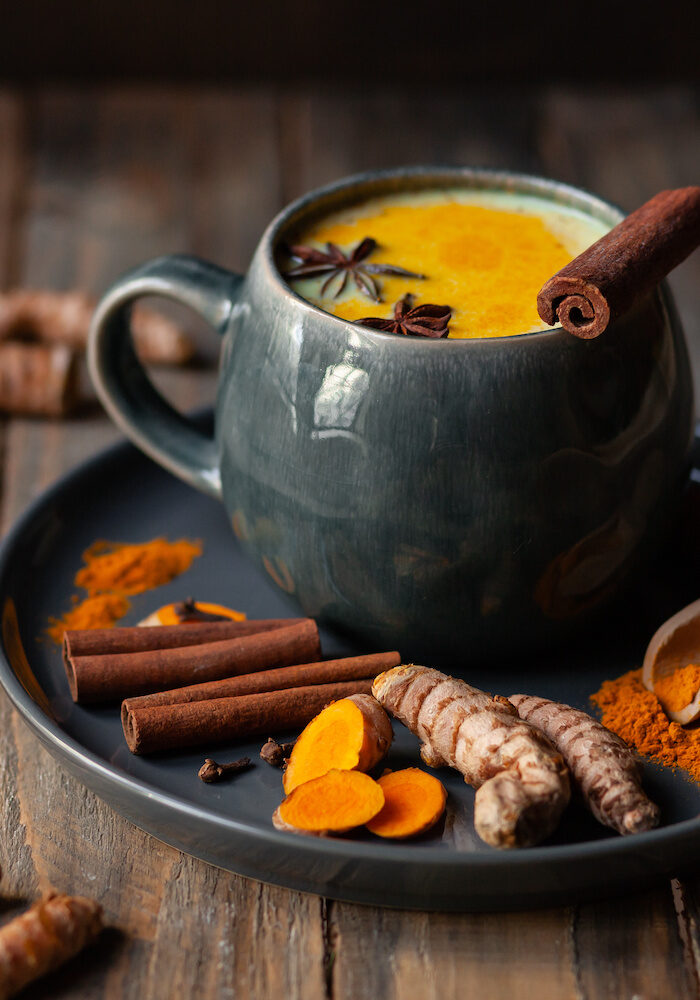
<point x="424" y="176"/>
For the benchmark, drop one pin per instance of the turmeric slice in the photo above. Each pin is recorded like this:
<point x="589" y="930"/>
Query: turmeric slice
<point x="335" y="802"/>
<point x="522" y="782"/>
<point x="185" y="612"/>
<point x="602" y="765"/>
<point x="352" y="734"/>
<point x="413" y="802"/>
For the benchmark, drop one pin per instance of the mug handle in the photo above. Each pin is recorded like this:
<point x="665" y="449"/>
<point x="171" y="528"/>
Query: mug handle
<point x="124" y="388"/>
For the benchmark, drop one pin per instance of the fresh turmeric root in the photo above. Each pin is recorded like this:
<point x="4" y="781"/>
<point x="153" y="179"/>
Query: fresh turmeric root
<point x="522" y="782"/>
<point x="335" y="802"/>
<point x="413" y="802"/>
<point x="38" y="379"/>
<point x="602" y="765"/>
<point x="48" y="934"/>
<point x="350" y="734"/>
<point x="64" y="318"/>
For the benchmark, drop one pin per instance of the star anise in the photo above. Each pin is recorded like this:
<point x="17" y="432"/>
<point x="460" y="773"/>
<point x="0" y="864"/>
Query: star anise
<point x="421" y="321"/>
<point x="334" y="264"/>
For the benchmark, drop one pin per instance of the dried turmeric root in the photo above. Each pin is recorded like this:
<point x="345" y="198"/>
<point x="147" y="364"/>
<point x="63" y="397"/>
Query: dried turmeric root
<point x="38" y="379"/>
<point x="522" y="782"/>
<point x="335" y="802"/>
<point x="352" y="734"/>
<point x="64" y="318"/>
<point x="48" y="934"/>
<point x="413" y="802"/>
<point x="603" y="766"/>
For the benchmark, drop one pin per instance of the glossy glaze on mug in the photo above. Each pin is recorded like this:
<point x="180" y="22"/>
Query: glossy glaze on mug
<point x="460" y="499"/>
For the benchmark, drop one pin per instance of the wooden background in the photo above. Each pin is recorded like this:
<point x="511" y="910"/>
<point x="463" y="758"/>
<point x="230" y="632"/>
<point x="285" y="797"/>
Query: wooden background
<point x="94" y="182"/>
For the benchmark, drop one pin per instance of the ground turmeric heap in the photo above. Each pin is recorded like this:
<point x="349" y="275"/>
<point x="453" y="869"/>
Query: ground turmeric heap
<point x="677" y="689"/>
<point x="131" y="569"/>
<point x="635" y="714"/>
<point x="113" y="571"/>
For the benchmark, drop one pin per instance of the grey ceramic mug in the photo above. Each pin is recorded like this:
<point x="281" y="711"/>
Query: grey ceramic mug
<point x="464" y="497"/>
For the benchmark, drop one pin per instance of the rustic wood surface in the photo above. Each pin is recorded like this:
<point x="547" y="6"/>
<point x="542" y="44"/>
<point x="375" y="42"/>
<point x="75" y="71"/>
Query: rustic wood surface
<point x="92" y="183"/>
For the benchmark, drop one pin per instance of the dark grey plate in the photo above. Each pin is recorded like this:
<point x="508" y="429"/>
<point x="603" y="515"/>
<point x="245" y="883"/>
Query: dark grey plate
<point x="122" y="495"/>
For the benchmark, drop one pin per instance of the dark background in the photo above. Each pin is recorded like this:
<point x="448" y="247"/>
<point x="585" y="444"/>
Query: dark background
<point x="409" y="42"/>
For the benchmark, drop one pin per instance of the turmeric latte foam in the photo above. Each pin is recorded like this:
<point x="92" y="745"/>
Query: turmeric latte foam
<point x="485" y="254"/>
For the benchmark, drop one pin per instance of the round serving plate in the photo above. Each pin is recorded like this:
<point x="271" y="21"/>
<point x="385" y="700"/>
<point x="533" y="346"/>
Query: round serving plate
<point x="121" y="495"/>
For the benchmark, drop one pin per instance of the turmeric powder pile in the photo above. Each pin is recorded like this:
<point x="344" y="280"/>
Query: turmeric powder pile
<point x="677" y="689"/>
<point x="636" y="715"/>
<point x="114" y="570"/>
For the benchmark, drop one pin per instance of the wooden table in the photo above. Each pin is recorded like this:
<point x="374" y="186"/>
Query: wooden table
<point x="92" y="183"/>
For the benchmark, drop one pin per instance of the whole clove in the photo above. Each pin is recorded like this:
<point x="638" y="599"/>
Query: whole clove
<point x="211" y="772"/>
<point x="275" y="753"/>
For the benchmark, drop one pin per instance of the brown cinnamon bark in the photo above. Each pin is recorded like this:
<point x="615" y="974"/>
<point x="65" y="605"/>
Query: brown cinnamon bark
<point x="138" y="638"/>
<point x="112" y="676"/>
<point x="605" y="280"/>
<point x="167" y="727"/>
<point x="350" y="668"/>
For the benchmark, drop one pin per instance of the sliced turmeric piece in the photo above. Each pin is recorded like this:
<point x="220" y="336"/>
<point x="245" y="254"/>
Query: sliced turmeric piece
<point x="188" y="611"/>
<point x="352" y="734"/>
<point x="413" y="802"/>
<point x="335" y="802"/>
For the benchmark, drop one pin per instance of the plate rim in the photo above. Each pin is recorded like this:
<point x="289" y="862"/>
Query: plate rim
<point x="78" y="757"/>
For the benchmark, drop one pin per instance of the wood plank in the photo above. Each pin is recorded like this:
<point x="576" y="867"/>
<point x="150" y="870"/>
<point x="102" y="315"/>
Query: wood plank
<point x="12" y="180"/>
<point x="632" y="947"/>
<point x="236" y="174"/>
<point x="114" y="173"/>
<point x="18" y="879"/>
<point x="626" y="146"/>
<point x="434" y="956"/>
<point x="326" y="135"/>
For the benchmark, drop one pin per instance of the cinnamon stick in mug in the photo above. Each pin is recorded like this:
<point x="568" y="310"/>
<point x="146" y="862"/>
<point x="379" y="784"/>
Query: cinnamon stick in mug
<point x="111" y="676"/>
<point x="605" y="280"/>
<point x="349" y="668"/>
<point x="137" y="638"/>
<point x="167" y="727"/>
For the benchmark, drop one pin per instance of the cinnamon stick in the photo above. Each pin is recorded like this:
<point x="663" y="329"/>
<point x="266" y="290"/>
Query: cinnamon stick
<point x="138" y="638"/>
<point x="605" y="280"/>
<point x="111" y="676"/>
<point x="167" y="727"/>
<point x="349" y="668"/>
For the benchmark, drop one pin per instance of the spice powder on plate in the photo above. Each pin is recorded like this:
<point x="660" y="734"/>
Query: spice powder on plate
<point x="113" y="571"/>
<point x="636" y="715"/>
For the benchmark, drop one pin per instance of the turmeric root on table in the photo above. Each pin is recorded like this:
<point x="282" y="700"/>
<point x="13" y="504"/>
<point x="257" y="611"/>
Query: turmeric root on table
<point x="48" y="934"/>
<point x="602" y="765"/>
<point x="64" y="318"/>
<point x="38" y="379"/>
<point x="335" y="802"/>
<point x="521" y="780"/>
<point x="350" y="734"/>
<point x="413" y="802"/>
